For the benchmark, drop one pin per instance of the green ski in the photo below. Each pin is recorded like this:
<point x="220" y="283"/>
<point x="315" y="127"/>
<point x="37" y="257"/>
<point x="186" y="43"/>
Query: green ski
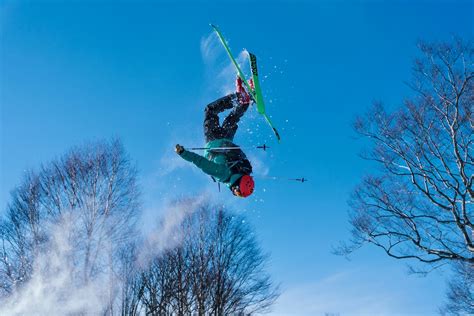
<point x="256" y="93"/>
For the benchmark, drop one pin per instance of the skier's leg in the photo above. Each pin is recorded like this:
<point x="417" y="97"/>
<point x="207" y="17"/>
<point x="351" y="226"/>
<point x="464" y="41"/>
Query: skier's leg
<point x="230" y="124"/>
<point x="212" y="128"/>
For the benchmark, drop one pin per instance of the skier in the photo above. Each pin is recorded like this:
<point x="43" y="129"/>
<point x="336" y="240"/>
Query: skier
<point x="229" y="166"/>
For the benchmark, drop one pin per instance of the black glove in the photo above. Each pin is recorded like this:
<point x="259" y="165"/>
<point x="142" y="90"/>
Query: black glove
<point x="179" y="149"/>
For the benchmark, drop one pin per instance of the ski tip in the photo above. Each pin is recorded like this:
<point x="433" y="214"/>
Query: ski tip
<point x="277" y="135"/>
<point x="213" y="26"/>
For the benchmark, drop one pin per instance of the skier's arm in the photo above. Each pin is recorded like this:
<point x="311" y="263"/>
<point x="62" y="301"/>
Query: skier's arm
<point x="211" y="168"/>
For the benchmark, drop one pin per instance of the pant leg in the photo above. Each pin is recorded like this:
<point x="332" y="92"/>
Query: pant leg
<point x="230" y="124"/>
<point x="212" y="128"/>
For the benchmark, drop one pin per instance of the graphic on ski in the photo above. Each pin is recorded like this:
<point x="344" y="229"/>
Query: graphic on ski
<point x="258" y="93"/>
<point x="255" y="93"/>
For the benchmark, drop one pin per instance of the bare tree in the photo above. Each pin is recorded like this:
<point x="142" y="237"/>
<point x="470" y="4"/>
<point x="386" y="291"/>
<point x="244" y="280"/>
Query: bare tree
<point x="239" y="285"/>
<point x="420" y="203"/>
<point x="96" y="185"/>
<point x="132" y="289"/>
<point x="460" y="291"/>
<point x="219" y="269"/>
<point x="166" y="284"/>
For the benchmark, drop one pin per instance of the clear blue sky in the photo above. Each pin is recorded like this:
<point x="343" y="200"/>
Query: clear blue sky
<point x="75" y="71"/>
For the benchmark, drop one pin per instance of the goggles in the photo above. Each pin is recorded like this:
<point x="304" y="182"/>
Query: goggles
<point x="236" y="192"/>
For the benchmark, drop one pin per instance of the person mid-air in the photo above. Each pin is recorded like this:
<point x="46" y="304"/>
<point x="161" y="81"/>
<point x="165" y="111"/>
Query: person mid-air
<point x="225" y="163"/>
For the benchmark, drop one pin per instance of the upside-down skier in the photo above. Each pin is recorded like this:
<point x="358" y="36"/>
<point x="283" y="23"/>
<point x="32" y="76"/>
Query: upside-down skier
<point x="229" y="166"/>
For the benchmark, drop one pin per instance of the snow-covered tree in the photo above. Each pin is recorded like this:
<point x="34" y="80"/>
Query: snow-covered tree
<point x="74" y="218"/>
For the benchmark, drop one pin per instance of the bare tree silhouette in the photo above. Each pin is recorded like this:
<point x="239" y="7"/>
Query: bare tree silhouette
<point x="419" y="205"/>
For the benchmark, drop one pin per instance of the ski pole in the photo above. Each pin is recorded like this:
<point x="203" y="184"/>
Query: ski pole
<point x="221" y="148"/>
<point x="264" y="147"/>
<point x="302" y="180"/>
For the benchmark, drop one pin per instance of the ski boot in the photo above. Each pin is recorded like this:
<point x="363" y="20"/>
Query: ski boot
<point x="252" y="86"/>
<point x="243" y="96"/>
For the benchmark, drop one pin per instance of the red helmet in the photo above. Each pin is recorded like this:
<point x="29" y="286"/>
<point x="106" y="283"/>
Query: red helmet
<point x="246" y="185"/>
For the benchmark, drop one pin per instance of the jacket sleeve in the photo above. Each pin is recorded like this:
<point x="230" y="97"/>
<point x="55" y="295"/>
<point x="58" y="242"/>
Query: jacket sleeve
<point x="209" y="167"/>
